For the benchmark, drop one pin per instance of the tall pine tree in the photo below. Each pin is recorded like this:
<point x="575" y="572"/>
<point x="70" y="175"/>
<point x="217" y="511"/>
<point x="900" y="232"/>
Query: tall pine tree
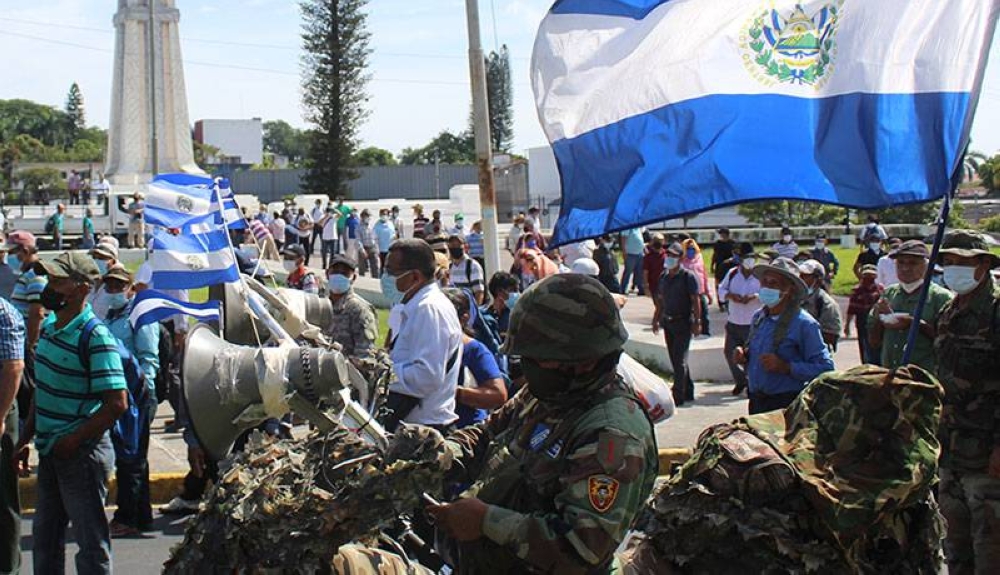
<point x="334" y="82"/>
<point x="74" y="109"/>
<point x="501" y="100"/>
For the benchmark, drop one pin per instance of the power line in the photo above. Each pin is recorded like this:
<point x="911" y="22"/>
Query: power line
<point x="243" y="44"/>
<point x="233" y="66"/>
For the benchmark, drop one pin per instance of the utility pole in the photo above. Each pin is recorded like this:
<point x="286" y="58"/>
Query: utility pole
<point x="484" y="152"/>
<point x="153" y="140"/>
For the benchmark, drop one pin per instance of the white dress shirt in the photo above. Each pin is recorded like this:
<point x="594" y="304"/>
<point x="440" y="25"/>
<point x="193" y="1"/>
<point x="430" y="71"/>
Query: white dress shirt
<point x="429" y="335"/>
<point x="738" y="284"/>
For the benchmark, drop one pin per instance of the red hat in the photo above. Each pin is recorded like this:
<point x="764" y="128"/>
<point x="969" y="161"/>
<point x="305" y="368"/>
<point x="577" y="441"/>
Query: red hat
<point x="21" y="239"/>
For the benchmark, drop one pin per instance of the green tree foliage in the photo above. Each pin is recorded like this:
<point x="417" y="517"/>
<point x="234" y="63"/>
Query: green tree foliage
<point x="35" y="179"/>
<point x="374" y="156"/>
<point x="334" y="82"/>
<point x="74" y="109"/>
<point x="202" y="152"/>
<point x="284" y="140"/>
<point x="971" y="163"/>
<point x="792" y="213"/>
<point x="446" y="148"/>
<point x="989" y="173"/>
<point x="500" y="97"/>
<point x="42" y="133"/>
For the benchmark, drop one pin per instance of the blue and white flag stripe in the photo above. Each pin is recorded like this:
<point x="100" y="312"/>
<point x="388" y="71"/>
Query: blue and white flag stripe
<point x="152" y="306"/>
<point x="233" y="216"/>
<point x="175" y="206"/>
<point x="192" y="260"/>
<point x="657" y="109"/>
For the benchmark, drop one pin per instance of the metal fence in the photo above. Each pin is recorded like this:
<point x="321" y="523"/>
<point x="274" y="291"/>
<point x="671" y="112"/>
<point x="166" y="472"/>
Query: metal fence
<point x="423" y="182"/>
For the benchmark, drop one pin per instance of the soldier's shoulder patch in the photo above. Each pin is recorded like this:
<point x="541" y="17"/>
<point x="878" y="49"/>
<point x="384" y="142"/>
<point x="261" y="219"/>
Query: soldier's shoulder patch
<point x="603" y="490"/>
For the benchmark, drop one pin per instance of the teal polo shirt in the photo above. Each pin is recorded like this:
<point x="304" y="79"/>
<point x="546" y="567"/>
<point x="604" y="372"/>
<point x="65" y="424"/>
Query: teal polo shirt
<point x="65" y="396"/>
<point x="894" y="341"/>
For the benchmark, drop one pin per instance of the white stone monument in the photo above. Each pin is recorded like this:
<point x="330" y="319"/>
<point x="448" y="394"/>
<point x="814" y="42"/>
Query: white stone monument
<point x="140" y="93"/>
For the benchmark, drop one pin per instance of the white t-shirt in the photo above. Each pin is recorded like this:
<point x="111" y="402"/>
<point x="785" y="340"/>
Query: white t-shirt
<point x="330" y="229"/>
<point x="577" y="250"/>
<point x="886" y="272"/>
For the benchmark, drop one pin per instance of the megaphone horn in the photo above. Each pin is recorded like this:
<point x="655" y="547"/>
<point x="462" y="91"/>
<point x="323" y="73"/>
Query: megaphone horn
<point x="239" y="326"/>
<point x="222" y="382"/>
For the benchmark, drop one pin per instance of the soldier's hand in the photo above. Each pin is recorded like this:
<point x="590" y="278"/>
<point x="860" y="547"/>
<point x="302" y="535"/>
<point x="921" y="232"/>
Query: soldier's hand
<point x="994" y="467"/>
<point x="774" y="364"/>
<point x="461" y="520"/>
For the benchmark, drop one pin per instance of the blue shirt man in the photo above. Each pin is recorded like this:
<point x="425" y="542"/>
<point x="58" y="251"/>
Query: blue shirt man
<point x="385" y="233"/>
<point x="786" y="349"/>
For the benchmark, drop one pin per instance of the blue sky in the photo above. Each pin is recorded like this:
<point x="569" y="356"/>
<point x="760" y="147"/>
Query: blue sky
<point x="419" y="65"/>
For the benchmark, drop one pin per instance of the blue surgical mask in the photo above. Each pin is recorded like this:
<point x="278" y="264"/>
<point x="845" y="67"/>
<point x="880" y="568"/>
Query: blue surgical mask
<point x="512" y="298"/>
<point x="769" y="296"/>
<point x="961" y="279"/>
<point x="13" y="262"/>
<point x="389" y="289"/>
<point x="102" y="265"/>
<point x="117" y="300"/>
<point x="671" y="263"/>
<point x="339" y="284"/>
<point x="691" y="253"/>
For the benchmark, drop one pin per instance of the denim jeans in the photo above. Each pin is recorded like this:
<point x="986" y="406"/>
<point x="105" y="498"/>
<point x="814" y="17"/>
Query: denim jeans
<point x="330" y="250"/>
<point x="632" y="269"/>
<point x="134" y="508"/>
<point x="73" y="490"/>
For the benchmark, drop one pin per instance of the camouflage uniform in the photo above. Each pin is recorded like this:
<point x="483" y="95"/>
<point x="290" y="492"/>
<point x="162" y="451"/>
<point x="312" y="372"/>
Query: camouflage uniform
<point x="968" y="352"/>
<point x="564" y="477"/>
<point x="353" y="325"/>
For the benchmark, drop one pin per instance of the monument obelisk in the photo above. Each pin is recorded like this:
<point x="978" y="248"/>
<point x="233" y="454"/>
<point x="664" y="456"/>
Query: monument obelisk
<point x="150" y="131"/>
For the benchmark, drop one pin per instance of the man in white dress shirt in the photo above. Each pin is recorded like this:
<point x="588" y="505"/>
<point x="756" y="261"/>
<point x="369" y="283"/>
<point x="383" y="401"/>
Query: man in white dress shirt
<point x="426" y="349"/>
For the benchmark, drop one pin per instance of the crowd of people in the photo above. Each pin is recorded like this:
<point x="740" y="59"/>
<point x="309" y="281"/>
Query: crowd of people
<point x="484" y="365"/>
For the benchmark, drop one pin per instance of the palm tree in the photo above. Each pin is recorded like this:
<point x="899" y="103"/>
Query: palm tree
<point x="971" y="163"/>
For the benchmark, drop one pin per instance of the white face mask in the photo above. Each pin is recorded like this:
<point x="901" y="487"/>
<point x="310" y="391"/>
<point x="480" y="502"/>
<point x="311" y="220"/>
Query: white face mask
<point x="749" y="263"/>
<point x="910" y="287"/>
<point x="961" y="279"/>
<point x="787" y="239"/>
<point x="820" y="246"/>
<point x="289" y="265"/>
<point x="874" y="246"/>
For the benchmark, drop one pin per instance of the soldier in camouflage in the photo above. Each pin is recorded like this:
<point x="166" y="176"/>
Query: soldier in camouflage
<point x="353" y="323"/>
<point x="558" y="473"/>
<point x="968" y="366"/>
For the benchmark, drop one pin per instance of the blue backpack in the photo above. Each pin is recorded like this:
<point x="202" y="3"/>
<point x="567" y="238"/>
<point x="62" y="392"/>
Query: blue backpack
<point x="129" y="427"/>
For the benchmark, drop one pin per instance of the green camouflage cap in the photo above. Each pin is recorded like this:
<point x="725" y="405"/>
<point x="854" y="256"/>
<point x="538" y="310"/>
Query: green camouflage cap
<point x="565" y="317"/>
<point x="967" y="244"/>
<point x="74" y="265"/>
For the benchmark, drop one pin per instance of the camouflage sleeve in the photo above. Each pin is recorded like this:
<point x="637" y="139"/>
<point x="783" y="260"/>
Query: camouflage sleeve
<point x="365" y="331"/>
<point x="468" y="445"/>
<point x="609" y="478"/>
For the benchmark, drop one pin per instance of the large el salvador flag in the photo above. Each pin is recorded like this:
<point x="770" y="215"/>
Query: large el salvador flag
<point x="657" y="109"/>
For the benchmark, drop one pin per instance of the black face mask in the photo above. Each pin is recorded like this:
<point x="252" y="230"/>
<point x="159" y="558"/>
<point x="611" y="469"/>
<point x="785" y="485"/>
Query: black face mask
<point x="456" y="253"/>
<point x="51" y="299"/>
<point x="548" y="384"/>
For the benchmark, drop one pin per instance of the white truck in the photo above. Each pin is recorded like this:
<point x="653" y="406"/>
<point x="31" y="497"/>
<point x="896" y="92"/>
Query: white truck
<point x="110" y="216"/>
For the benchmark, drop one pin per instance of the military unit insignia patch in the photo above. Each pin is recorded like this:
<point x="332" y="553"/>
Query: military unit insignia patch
<point x="603" y="491"/>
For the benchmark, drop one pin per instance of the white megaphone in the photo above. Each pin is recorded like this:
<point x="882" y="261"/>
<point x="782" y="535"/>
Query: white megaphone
<point x="300" y="314"/>
<point x="229" y="388"/>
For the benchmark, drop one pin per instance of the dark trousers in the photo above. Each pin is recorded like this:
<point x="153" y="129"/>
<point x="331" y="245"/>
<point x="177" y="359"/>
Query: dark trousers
<point x="316" y="235"/>
<point x="381" y="260"/>
<point x="304" y="242"/>
<point x="10" y="502"/>
<point x="704" y="315"/>
<point x="134" y="508"/>
<point x="677" y="335"/>
<point x="869" y="354"/>
<point x="761" y="403"/>
<point x="736" y="336"/>
<point x="73" y="490"/>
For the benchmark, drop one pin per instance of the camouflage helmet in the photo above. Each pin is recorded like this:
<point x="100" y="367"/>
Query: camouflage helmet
<point x="967" y="244"/>
<point x="565" y="317"/>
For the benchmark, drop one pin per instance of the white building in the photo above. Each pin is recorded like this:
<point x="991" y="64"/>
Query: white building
<point x="238" y="141"/>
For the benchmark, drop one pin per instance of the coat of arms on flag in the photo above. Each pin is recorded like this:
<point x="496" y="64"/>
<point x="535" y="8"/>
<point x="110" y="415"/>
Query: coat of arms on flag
<point x="793" y="47"/>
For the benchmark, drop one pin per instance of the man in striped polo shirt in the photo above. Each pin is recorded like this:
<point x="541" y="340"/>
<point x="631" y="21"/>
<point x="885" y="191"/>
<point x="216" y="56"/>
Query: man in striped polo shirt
<point x="11" y="364"/>
<point x="258" y="233"/>
<point x="75" y="405"/>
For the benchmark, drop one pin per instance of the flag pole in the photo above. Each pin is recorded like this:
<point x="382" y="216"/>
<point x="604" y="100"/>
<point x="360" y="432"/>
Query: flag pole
<point x="942" y="224"/>
<point x="484" y="146"/>
<point x="217" y="196"/>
